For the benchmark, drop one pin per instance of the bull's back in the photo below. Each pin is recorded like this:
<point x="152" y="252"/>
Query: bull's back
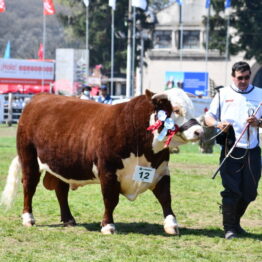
<point x="60" y="130"/>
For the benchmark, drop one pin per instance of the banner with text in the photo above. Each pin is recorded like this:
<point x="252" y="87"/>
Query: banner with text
<point x="195" y="83"/>
<point x="18" y="71"/>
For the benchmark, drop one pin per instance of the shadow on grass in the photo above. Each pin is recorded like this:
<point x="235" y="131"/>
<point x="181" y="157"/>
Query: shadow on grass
<point x="144" y="228"/>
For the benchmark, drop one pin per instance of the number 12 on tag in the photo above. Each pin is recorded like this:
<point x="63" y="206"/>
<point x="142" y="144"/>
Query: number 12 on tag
<point x="144" y="174"/>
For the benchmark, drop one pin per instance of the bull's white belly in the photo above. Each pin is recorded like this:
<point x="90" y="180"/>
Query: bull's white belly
<point x="129" y="187"/>
<point x="74" y="184"/>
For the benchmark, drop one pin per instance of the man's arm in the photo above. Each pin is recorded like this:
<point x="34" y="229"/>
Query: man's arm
<point x="212" y="122"/>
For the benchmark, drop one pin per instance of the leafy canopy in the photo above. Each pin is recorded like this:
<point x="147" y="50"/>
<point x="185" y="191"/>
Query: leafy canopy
<point x="246" y="21"/>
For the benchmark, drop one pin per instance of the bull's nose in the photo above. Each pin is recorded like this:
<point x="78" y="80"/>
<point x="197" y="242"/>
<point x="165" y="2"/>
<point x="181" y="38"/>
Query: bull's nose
<point x="198" y="133"/>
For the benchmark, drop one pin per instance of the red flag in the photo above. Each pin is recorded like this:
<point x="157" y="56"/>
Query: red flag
<point x="49" y="8"/>
<point x="2" y="6"/>
<point x="41" y="52"/>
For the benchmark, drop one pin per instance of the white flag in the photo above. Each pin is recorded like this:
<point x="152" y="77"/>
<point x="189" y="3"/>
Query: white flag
<point x="139" y="3"/>
<point x="86" y="2"/>
<point x="112" y="3"/>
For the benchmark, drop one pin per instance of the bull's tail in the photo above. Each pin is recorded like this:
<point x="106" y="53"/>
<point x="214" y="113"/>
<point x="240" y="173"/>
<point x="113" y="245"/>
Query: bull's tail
<point x="11" y="186"/>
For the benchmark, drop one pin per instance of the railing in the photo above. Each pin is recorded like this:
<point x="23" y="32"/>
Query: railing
<point x="11" y="107"/>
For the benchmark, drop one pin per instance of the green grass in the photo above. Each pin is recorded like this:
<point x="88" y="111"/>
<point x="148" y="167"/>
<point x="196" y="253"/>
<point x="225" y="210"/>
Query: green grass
<point x="140" y="232"/>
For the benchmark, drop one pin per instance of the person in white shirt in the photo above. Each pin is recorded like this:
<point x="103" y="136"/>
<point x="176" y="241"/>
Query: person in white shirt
<point x="85" y="95"/>
<point x="231" y="109"/>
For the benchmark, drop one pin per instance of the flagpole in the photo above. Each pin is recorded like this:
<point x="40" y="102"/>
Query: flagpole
<point x="181" y="36"/>
<point x="112" y="48"/>
<point x="87" y="42"/>
<point x="207" y="43"/>
<point x="129" y="51"/>
<point x="44" y="47"/>
<point x="133" y="52"/>
<point x="44" y="34"/>
<point x="227" y="46"/>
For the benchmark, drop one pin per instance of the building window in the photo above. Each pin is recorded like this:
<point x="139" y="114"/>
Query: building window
<point x="162" y="39"/>
<point x="191" y="39"/>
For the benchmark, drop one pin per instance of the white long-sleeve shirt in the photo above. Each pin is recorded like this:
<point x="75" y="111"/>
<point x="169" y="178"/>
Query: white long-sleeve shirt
<point x="234" y="108"/>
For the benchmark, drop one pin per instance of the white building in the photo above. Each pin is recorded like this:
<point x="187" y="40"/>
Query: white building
<point x="166" y="55"/>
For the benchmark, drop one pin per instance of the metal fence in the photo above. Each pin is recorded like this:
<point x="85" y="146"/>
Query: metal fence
<point x="11" y="107"/>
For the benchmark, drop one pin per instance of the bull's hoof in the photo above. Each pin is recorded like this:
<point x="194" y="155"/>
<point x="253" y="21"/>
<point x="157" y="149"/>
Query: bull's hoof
<point x="28" y="219"/>
<point x="69" y="223"/>
<point x="171" y="226"/>
<point x="109" y="229"/>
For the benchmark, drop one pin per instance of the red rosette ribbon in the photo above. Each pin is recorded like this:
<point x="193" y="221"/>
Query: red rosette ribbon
<point x="155" y="126"/>
<point x="171" y="133"/>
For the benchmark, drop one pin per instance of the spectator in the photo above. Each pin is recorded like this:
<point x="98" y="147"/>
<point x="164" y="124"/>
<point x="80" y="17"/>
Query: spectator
<point x="104" y="97"/>
<point x="85" y="95"/>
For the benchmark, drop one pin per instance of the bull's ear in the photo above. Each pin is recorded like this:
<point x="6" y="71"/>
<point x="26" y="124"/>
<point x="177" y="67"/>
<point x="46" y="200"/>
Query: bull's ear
<point x="149" y="94"/>
<point x="161" y="102"/>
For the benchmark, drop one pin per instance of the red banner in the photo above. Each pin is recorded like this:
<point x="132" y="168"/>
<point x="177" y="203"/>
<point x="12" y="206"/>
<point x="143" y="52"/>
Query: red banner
<point x="41" y="52"/>
<point x="2" y="6"/>
<point x="49" y="8"/>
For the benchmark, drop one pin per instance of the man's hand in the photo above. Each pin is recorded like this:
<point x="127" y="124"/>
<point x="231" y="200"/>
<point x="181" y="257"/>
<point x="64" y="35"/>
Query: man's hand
<point x="223" y="125"/>
<point x="253" y="121"/>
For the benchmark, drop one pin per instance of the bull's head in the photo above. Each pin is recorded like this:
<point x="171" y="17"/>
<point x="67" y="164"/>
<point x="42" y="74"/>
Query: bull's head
<point x="179" y="108"/>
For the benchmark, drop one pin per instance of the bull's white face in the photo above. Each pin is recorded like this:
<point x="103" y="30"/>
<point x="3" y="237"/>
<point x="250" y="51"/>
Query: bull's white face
<point x="182" y="113"/>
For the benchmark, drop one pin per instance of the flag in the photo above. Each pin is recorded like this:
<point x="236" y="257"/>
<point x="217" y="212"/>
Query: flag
<point x="7" y="50"/>
<point x="208" y="3"/>
<point x="112" y="3"/>
<point x="227" y="3"/>
<point x="49" y="8"/>
<point x="41" y="52"/>
<point x="86" y="3"/>
<point x="2" y="6"/>
<point x="180" y="2"/>
<point x="139" y="3"/>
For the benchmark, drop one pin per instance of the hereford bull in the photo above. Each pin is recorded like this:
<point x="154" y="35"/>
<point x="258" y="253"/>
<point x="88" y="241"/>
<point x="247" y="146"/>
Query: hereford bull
<point x="80" y="142"/>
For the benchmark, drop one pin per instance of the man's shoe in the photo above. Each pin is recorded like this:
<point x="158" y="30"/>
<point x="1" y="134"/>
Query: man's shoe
<point x="240" y="230"/>
<point x="229" y="234"/>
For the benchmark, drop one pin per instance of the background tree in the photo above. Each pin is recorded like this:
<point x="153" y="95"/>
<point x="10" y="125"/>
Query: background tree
<point x="73" y="17"/>
<point x="22" y="25"/>
<point x="246" y="20"/>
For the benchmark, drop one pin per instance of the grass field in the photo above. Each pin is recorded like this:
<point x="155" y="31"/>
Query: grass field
<point x="140" y="232"/>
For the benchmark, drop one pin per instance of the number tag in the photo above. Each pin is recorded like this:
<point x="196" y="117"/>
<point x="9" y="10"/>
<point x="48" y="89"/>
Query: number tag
<point x="144" y="174"/>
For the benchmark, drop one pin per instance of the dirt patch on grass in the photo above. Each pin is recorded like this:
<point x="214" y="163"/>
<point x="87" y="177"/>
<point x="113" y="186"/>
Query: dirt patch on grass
<point x="8" y="131"/>
<point x="192" y="168"/>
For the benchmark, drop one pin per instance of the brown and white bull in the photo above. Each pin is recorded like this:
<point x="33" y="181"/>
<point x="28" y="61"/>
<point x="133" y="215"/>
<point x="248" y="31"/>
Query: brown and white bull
<point x="78" y="142"/>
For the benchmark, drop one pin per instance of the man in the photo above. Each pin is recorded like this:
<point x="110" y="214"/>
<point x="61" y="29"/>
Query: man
<point x="104" y="97"/>
<point x="232" y="108"/>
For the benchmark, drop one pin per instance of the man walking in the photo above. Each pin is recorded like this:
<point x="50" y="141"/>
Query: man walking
<point x="231" y="109"/>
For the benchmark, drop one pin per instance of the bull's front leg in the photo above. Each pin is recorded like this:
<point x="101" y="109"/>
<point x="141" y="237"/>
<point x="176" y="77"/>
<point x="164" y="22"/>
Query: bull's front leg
<point x="162" y="193"/>
<point x="110" y="190"/>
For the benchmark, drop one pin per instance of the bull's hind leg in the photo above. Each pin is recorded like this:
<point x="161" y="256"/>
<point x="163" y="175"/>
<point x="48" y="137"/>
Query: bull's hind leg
<point x="30" y="179"/>
<point x="162" y="193"/>
<point x="61" y="191"/>
<point x="110" y="190"/>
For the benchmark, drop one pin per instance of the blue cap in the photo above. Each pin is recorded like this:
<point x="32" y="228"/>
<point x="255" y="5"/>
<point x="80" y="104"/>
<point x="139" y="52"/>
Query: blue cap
<point x="103" y="87"/>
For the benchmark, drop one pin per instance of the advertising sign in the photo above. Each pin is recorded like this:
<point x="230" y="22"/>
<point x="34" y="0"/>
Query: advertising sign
<point x="2" y="101"/>
<point x="195" y="83"/>
<point x="18" y="71"/>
